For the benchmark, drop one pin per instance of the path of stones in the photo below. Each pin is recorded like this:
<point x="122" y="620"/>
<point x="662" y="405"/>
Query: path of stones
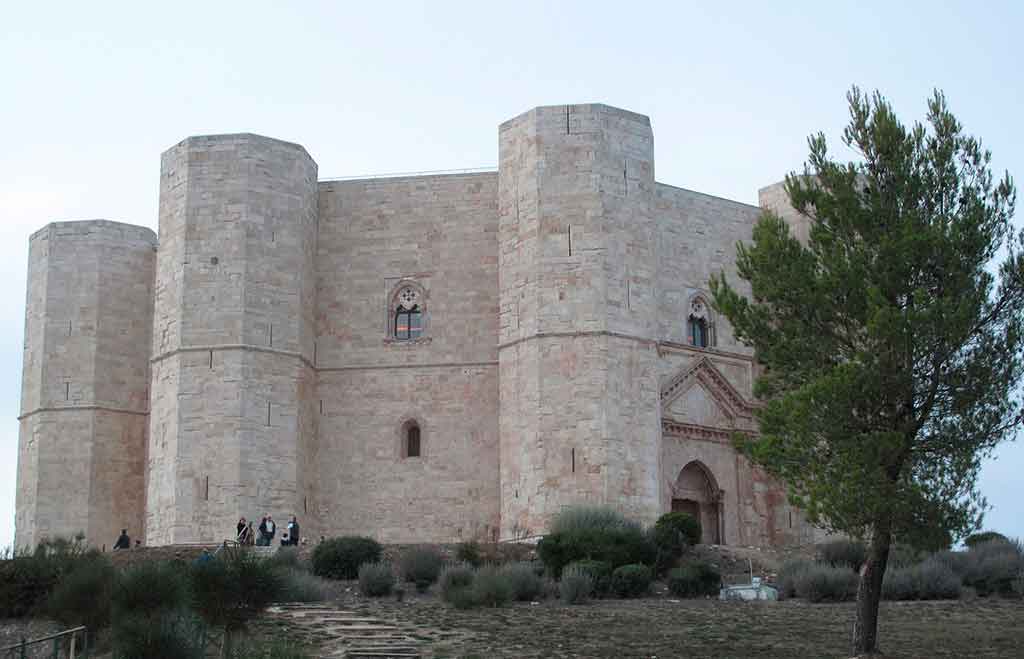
<point x="353" y="635"/>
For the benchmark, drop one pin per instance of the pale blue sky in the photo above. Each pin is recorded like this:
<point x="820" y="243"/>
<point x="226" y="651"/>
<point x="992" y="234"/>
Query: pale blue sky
<point x="92" y="92"/>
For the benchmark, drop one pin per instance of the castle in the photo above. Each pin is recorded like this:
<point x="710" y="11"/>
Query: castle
<point x="427" y="358"/>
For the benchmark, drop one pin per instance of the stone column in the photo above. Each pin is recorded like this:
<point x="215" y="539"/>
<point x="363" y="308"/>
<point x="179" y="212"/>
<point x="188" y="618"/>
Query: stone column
<point x="232" y="429"/>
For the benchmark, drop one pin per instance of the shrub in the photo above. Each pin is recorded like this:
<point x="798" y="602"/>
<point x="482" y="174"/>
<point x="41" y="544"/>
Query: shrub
<point x="169" y="636"/>
<point x="1018" y="585"/>
<point x="954" y="560"/>
<point x="420" y="565"/>
<point x="463" y="598"/>
<point x="936" y="581"/>
<point x="286" y="557"/>
<point x="931" y="580"/>
<point x="375" y="579"/>
<point x="901" y="555"/>
<point x="149" y="589"/>
<point x="672" y="534"/>
<point x="82" y="596"/>
<point x="616" y="546"/>
<point x="683" y="526"/>
<point x="842" y="553"/>
<point x="576" y="586"/>
<point x="231" y="589"/>
<point x="983" y="537"/>
<point x="696" y="579"/>
<point x="301" y="586"/>
<point x="340" y="558"/>
<point x="825" y="583"/>
<point x="991" y="567"/>
<point x="457" y="577"/>
<point x="600" y="573"/>
<point x="491" y="587"/>
<point x="26" y="579"/>
<point x="526" y="584"/>
<point x="789" y="574"/>
<point x="469" y="553"/>
<point x="631" y="580"/>
<point x="587" y="518"/>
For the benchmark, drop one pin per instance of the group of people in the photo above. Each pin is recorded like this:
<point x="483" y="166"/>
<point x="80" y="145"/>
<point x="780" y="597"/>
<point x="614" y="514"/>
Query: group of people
<point x="263" y="535"/>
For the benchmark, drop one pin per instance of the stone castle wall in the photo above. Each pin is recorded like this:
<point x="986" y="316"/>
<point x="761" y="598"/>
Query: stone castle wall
<point x="579" y="385"/>
<point x="439" y="235"/>
<point x="85" y="383"/>
<point x="233" y="336"/>
<point x="555" y="366"/>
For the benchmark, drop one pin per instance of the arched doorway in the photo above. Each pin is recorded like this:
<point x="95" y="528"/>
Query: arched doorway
<point x="696" y="492"/>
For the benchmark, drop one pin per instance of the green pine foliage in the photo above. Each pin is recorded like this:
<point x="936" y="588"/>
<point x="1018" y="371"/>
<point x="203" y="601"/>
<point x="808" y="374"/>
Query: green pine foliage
<point x="892" y="341"/>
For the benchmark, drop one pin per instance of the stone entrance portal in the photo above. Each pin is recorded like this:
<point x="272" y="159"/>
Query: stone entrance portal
<point x="697" y="493"/>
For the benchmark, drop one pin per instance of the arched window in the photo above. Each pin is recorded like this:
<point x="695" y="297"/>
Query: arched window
<point x="407" y="315"/>
<point x="412" y="441"/>
<point x="699" y="327"/>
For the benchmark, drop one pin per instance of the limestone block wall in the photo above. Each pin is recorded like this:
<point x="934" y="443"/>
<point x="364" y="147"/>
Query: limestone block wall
<point x="774" y="197"/>
<point x="232" y="338"/>
<point x="85" y="383"/>
<point x="697" y="239"/>
<point x="578" y="314"/>
<point x="437" y="234"/>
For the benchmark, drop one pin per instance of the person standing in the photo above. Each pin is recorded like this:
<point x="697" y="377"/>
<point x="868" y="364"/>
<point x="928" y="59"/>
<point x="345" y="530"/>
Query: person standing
<point x="271" y="531"/>
<point x="261" y="539"/>
<point x="240" y="530"/>
<point x="250" y="535"/>
<point x="293" y="531"/>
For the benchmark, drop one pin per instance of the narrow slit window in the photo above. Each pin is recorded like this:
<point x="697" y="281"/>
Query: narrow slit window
<point x="698" y="332"/>
<point x="412" y="442"/>
<point x="700" y="329"/>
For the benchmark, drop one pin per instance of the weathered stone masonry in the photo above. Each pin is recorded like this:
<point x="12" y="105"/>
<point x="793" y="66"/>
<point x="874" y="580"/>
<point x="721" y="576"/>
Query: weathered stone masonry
<point x="255" y="363"/>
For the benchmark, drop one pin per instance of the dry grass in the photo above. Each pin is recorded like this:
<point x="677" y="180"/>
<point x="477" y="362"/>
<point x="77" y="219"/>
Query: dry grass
<point x="663" y="627"/>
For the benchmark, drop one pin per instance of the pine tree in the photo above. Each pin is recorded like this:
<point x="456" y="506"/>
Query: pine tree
<point x="892" y="341"/>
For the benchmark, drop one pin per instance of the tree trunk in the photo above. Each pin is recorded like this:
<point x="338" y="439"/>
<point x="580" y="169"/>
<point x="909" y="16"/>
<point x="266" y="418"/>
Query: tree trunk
<point x="869" y="592"/>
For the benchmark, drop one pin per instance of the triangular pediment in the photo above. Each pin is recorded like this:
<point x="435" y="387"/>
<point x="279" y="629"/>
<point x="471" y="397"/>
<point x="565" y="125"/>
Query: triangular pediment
<point x="697" y="405"/>
<point x="700" y="394"/>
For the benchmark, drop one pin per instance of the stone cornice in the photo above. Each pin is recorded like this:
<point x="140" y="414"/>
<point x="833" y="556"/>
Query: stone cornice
<point x="681" y="430"/>
<point x="372" y="367"/>
<point x="81" y="408"/>
<point x="233" y="346"/>
<point x="671" y="346"/>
